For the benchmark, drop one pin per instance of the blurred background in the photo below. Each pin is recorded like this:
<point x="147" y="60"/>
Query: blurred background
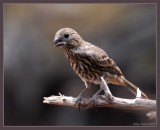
<point x="34" y="69"/>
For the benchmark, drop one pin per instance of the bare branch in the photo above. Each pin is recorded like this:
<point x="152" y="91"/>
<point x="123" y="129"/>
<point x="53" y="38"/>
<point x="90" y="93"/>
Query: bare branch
<point x="102" y="101"/>
<point x="107" y="100"/>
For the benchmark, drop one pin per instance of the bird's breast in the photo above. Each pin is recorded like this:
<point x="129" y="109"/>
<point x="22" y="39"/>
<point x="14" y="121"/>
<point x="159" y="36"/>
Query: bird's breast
<point x="83" y="67"/>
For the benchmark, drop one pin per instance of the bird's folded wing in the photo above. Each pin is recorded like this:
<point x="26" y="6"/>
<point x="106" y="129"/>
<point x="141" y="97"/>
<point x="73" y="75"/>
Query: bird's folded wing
<point x="100" y="58"/>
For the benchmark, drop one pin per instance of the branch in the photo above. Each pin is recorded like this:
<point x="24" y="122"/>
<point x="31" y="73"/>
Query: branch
<point x="105" y="101"/>
<point x="101" y="101"/>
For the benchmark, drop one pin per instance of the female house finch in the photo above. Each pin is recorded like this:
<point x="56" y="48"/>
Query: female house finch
<point x="90" y="62"/>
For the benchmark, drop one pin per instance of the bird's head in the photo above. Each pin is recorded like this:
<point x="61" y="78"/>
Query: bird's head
<point x="67" y="38"/>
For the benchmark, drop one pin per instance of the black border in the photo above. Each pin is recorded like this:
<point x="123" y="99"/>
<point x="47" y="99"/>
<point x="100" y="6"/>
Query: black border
<point x="76" y="1"/>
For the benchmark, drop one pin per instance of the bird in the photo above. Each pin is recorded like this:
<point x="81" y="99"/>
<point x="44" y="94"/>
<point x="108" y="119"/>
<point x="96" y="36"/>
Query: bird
<point x="91" y="63"/>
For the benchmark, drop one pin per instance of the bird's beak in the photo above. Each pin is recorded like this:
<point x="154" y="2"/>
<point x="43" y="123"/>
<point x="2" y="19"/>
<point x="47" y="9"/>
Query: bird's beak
<point x="58" y="42"/>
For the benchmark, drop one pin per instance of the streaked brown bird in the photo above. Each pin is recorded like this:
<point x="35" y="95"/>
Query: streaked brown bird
<point x="90" y="62"/>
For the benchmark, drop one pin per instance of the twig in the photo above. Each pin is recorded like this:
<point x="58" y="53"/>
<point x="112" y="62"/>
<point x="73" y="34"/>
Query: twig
<point x="107" y="100"/>
<point x="101" y="101"/>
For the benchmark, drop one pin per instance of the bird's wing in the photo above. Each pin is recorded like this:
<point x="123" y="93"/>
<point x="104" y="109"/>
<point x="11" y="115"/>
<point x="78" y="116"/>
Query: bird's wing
<point x="100" y="58"/>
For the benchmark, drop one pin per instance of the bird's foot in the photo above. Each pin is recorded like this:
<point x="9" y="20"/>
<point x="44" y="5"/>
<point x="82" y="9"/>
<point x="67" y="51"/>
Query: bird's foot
<point x="109" y="98"/>
<point x="93" y="101"/>
<point x="78" y="102"/>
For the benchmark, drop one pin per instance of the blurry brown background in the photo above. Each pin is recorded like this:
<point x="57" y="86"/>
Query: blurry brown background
<point x="33" y="68"/>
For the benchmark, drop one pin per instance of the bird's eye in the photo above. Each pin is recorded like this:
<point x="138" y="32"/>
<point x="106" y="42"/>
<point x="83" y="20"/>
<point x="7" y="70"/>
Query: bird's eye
<point x="66" y="35"/>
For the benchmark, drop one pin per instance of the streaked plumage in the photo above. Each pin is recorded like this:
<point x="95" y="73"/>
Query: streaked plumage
<point x="89" y="61"/>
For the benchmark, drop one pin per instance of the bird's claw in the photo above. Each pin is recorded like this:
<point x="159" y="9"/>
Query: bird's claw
<point x="109" y="98"/>
<point x="93" y="101"/>
<point x="78" y="102"/>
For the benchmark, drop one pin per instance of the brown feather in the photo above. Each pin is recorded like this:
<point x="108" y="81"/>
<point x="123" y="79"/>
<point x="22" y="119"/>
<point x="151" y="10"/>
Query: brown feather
<point x="91" y="62"/>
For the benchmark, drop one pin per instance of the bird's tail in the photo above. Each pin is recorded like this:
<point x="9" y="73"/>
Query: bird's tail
<point x="133" y="88"/>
